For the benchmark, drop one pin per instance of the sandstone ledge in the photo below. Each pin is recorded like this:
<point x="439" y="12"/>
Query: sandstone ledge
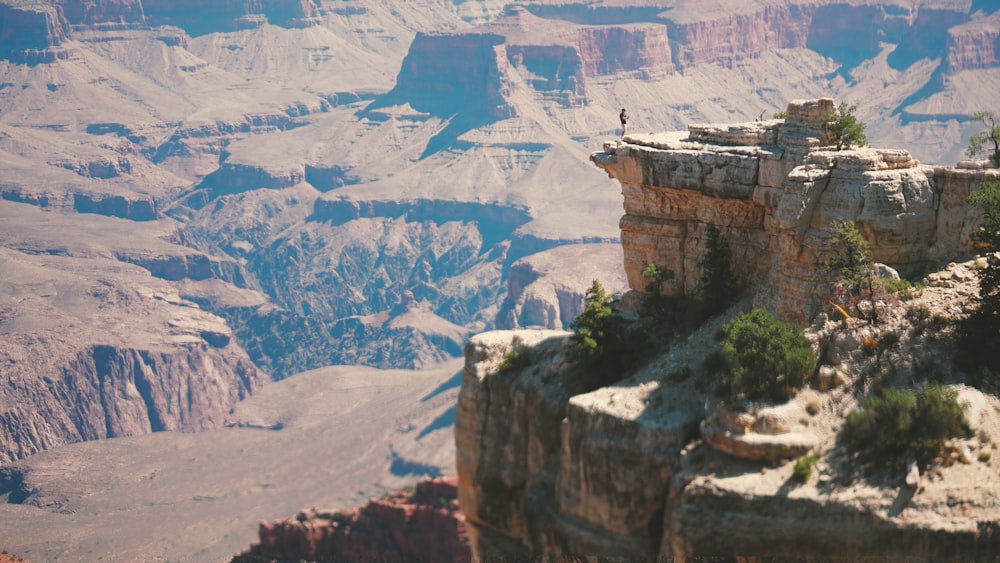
<point x="776" y="191"/>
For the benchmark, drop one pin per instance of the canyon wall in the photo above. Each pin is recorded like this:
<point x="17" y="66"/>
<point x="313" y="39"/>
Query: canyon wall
<point x="446" y="73"/>
<point x="97" y="342"/>
<point x="105" y="391"/>
<point x="975" y="45"/>
<point x="33" y="34"/>
<point x="776" y="194"/>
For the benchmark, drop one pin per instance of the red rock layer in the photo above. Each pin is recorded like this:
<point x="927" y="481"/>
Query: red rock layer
<point x="424" y="525"/>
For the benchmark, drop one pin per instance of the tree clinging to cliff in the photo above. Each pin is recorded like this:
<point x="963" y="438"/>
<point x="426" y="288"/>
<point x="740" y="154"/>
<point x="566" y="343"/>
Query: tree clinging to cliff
<point x="851" y="264"/>
<point x="718" y="283"/>
<point x="980" y="333"/>
<point x="843" y="128"/>
<point x="986" y="140"/>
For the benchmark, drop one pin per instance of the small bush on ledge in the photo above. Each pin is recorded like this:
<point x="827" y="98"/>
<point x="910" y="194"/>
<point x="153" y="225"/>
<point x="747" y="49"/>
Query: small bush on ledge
<point x="804" y="467"/>
<point x="770" y="359"/>
<point x="902" y="424"/>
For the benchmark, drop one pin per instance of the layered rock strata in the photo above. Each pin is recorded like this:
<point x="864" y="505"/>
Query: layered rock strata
<point x="975" y="45"/>
<point x="547" y="467"/>
<point x="422" y="525"/>
<point x="33" y="33"/>
<point x="543" y="292"/>
<point x="95" y="348"/>
<point x="776" y="192"/>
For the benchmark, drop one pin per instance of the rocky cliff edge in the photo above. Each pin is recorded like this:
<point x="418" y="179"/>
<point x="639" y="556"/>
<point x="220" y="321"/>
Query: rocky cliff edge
<point x="776" y="191"/>
<point x="658" y="466"/>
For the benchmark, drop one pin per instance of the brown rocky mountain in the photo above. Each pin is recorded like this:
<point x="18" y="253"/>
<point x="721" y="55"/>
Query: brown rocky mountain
<point x="269" y="182"/>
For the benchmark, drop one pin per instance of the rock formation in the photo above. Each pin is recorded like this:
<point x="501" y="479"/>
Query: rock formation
<point x="33" y="33"/>
<point x="776" y="193"/>
<point x="548" y="469"/>
<point x="657" y="465"/>
<point x="975" y="45"/>
<point x="419" y="525"/>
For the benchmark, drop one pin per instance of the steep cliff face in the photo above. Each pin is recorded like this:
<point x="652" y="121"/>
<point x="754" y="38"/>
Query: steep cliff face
<point x="33" y="34"/>
<point x="197" y="19"/>
<point x="97" y="12"/>
<point x="659" y="465"/>
<point x="94" y="346"/>
<point x="641" y="49"/>
<point x="847" y="32"/>
<point x="106" y="391"/>
<point x="727" y="37"/>
<point x="552" y="57"/>
<point x="446" y="73"/>
<point x="975" y="45"/>
<point x="776" y="197"/>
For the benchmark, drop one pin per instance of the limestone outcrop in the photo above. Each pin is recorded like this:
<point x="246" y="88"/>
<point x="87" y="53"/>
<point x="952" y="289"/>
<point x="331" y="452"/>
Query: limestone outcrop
<point x="545" y="466"/>
<point x="659" y="466"/>
<point x="550" y="468"/>
<point x="776" y="192"/>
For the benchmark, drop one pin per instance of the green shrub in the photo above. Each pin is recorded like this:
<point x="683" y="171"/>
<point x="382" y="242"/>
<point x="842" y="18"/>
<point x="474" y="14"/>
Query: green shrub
<point x="714" y="363"/>
<point x="901" y="424"/>
<point x="514" y="360"/>
<point x="902" y="287"/>
<point x="850" y="263"/>
<point x="918" y="314"/>
<point x="844" y="128"/>
<point x="770" y="359"/>
<point x="987" y="140"/>
<point x="979" y="334"/>
<point x="717" y="286"/>
<point x="664" y="316"/>
<point x="680" y="374"/>
<point x="804" y="466"/>
<point x="605" y="346"/>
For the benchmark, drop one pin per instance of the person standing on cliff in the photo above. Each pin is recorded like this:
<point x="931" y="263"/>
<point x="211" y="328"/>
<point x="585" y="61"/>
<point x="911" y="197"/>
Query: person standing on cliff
<point x="623" y="116"/>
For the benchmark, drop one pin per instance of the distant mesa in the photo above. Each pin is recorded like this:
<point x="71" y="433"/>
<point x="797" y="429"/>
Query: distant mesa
<point x="35" y="33"/>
